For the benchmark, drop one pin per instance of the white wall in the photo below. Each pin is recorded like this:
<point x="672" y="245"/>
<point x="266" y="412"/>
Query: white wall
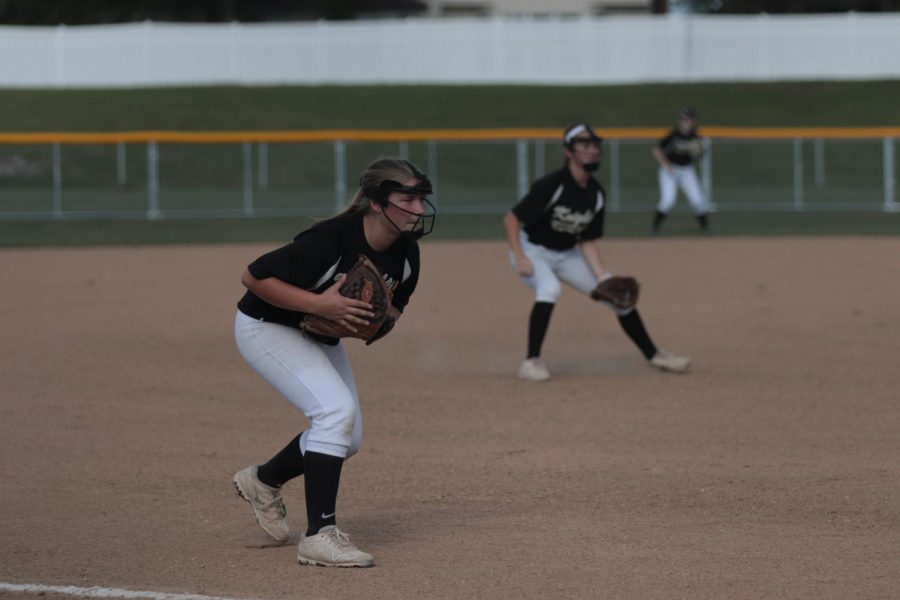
<point x="625" y="49"/>
<point x="538" y="7"/>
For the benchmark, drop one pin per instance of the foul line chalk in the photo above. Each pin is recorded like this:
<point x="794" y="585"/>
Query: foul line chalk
<point x="100" y="592"/>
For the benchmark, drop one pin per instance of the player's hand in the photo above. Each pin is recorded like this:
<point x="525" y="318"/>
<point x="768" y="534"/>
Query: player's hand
<point x="346" y="311"/>
<point x="524" y="267"/>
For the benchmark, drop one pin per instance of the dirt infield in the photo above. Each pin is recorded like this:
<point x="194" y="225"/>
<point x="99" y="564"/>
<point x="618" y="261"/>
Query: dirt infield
<point x="772" y="470"/>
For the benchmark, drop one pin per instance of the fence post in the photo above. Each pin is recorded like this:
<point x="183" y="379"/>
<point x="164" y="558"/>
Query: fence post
<point x="152" y="181"/>
<point x="321" y="50"/>
<point x="819" y="153"/>
<point x="59" y="56"/>
<point x="688" y="48"/>
<point x="890" y="202"/>
<point x="147" y="52"/>
<point x="762" y="52"/>
<point x="234" y="34"/>
<point x="340" y="179"/>
<point x="262" y="165"/>
<point x="522" y="167"/>
<point x="706" y="172"/>
<point x="539" y="158"/>
<point x="248" y="178"/>
<point x="614" y="178"/>
<point x="433" y="168"/>
<point x="57" y="181"/>
<point x="121" y="170"/>
<point x="798" y="174"/>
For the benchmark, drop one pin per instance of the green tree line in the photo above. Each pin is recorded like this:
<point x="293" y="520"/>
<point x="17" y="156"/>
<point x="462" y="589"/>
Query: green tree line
<point x="82" y="12"/>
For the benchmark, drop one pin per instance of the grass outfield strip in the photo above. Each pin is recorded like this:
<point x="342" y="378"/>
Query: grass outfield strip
<point x="622" y="225"/>
<point x="783" y="104"/>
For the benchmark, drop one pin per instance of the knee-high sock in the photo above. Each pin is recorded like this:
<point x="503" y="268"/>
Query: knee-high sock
<point x="284" y="466"/>
<point x="704" y="221"/>
<point x="323" y="474"/>
<point x="658" y="219"/>
<point x="537" y="327"/>
<point x="634" y="328"/>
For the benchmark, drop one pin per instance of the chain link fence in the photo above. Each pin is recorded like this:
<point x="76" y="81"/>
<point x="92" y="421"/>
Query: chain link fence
<point x="147" y="176"/>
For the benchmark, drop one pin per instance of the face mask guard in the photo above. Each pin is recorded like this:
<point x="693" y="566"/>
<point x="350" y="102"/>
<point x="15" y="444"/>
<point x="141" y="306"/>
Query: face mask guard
<point x="425" y="222"/>
<point x="570" y="139"/>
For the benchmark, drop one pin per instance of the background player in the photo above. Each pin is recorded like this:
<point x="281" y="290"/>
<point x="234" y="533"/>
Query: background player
<point x="677" y="153"/>
<point x="551" y="234"/>
<point x="385" y="218"/>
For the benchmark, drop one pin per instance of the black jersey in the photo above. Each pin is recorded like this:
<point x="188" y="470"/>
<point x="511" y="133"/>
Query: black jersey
<point x="675" y="147"/>
<point x="557" y="213"/>
<point x="324" y="250"/>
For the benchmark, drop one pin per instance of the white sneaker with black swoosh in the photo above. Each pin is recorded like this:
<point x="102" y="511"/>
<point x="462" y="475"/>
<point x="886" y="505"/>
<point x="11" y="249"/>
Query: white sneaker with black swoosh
<point x="331" y="548"/>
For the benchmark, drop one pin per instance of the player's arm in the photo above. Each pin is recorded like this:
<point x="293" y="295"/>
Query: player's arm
<point x="511" y="225"/>
<point x="329" y="304"/>
<point x="591" y="254"/>
<point x="661" y="158"/>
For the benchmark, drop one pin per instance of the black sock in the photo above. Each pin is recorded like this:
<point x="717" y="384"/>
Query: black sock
<point x="704" y="221"/>
<point x="658" y="219"/>
<point x="634" y="328"/>
<point x="282" y="467"/>
<point x="323" y="474"/>
<point x="537" y="327"/>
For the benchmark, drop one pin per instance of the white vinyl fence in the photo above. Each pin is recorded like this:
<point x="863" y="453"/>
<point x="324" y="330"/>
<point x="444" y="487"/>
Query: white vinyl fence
<point x="616" y="49"/>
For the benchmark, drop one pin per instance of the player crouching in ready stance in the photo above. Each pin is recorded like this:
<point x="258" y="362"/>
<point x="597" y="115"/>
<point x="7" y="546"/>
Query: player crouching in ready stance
<point x="551" y="234"/>
<point x="348" y="276"/>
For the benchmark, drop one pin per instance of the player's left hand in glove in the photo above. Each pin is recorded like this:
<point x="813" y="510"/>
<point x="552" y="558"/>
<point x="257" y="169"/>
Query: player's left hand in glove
<point x="695" y="149"/>
<point x="364" y="283"/>
<point x="621" y="292"/>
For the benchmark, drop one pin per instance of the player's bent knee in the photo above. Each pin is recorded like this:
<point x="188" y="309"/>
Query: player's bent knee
<point x="354" y="447"/>
<point x="549" y="294"/>
<point x="344" y="420"/>
<point x="332" y="432"/>
<point x="325" y="444"/>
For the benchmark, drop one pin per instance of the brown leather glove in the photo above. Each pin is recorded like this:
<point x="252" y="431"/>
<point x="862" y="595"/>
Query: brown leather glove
<point x="621" y="292"/>
<point x="362" y="282"/>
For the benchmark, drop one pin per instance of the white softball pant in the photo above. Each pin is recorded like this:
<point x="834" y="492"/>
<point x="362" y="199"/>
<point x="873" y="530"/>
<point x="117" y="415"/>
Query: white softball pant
<point x="554" y="266"/>
<point x="685" y="178"/>
<point x="314" y="377"/>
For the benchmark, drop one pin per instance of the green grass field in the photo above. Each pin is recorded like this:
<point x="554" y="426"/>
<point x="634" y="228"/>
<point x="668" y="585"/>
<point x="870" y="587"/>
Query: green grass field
<point x="470" y="177"/>
<point x="416" y="107"/>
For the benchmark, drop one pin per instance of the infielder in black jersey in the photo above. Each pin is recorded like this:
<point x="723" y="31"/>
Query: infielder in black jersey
<point x="386" y="217"/>
<point x="551" y="234"/>
<point x="677" y="153"/>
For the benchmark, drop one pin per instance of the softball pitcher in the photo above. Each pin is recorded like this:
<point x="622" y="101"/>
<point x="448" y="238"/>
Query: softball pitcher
<point x="551" y="234"/>
<point x="676" y="153"/>
<point x="386" y="217"/>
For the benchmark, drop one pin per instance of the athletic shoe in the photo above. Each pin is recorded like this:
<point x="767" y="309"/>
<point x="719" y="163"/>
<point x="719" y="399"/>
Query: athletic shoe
<point x="331" y="548"/>
<point x="266" y="502"/>
<point x="534" y="369"/>
<point x="664" y="361"/>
